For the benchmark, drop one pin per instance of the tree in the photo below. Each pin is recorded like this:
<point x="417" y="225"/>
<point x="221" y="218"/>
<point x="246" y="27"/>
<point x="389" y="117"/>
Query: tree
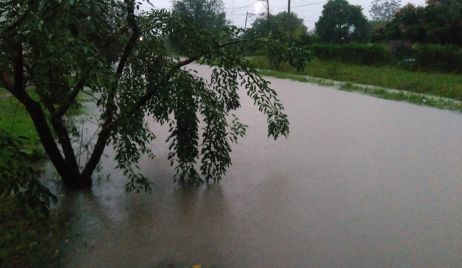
<point x="438" y="22"/>
<point x="19" y="176"/>
<point x="384" y="10"/>
<point x="197" y="15"/>
<point x="341" y="22"/>
<point x="202" y="13"/>
<point x="406" y="25"/>
<point x="55" y="50"/>
<point x="443" y="22"/>
<point x="280" y="28"/>
<point x="286" y="41"/>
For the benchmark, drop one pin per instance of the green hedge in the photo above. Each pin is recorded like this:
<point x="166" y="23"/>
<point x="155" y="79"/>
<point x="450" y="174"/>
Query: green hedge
<point x="368" y="54"/>
<point x="437" y="58"/>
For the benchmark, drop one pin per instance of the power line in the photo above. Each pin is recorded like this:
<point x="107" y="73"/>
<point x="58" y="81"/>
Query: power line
<point x="242" y="7"/>
<point x="238" y="15"/>
<point x="312" y="4"/>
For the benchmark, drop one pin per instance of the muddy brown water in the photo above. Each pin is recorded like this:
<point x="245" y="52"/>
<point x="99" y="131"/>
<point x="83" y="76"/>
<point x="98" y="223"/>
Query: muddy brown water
<point x="360" y="182"/>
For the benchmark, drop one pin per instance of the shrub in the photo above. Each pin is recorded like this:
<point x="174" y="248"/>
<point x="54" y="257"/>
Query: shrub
<point x="438" y="58"/>
<point x="19" y="176"/>
<point x="27" y="233"/>
<point x="280" y="52"/>
<point x="401" y="49"/>
<point x="368" y="54"/>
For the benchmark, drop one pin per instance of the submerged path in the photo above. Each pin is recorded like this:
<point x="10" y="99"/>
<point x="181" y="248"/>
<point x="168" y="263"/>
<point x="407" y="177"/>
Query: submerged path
<point x="360" y="182"/>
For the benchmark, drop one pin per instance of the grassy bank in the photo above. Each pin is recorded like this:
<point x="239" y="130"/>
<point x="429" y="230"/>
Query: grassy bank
<point x="27" y="238"/>
<point x="432" y="84"/>
<point x="15" y="120"/>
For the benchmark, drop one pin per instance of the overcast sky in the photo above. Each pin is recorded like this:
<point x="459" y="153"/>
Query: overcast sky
<point x="309" y="10"/>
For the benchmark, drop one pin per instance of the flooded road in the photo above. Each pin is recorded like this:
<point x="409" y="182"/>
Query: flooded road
<point x="360" y="182"/>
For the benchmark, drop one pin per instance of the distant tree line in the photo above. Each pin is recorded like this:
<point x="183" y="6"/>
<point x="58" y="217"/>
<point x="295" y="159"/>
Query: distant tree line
<point x="438" y="22"/>
<point x="396" y="31"/>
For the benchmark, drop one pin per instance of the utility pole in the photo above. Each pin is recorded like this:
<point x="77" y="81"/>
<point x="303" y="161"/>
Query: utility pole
<point x="246" y="17"/>
<point x="268" y="16"/>
<point x="288" y="18"/>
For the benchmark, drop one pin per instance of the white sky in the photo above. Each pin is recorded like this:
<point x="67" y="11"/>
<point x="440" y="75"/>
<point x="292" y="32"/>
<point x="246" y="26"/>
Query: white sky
<point x="236" y="9"/>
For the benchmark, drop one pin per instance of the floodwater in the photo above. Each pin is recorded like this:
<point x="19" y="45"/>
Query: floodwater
<point x="360" y="182"/>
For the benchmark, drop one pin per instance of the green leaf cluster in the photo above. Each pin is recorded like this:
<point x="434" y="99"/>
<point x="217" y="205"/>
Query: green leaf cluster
<point x="19" y="177"/>
<point x="342" y="22"/>
<point x="120" y="60"/>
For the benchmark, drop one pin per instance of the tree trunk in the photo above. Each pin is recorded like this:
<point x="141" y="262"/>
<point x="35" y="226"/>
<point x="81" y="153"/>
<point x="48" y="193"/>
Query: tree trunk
<point x="66" y="169"/>
<point x="79" y="183"/>
<point x="66" y="165"/>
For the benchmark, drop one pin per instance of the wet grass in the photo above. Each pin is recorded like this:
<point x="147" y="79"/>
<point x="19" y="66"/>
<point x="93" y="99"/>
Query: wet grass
<point x="27" y="238"/>
<point x="14" y="118"/>
<point x="438" y="90"/>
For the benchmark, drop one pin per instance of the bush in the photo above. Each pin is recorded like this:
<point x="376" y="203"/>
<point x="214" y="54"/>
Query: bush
<point x="19" y="175"/>
<point x="26" y="230"/>
<point x="437" y="58"/>
<point x="401" y="49"/>
<point x="400" y="53"/>
<point x="367" y="54"/>
<point x="281" y="52"/>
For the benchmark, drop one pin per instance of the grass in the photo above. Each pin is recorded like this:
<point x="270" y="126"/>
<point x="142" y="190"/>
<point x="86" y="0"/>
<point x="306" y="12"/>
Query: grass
<point x="27" y="238"/>
<point x="432" y="89"/>
<point x="14" y="118"/>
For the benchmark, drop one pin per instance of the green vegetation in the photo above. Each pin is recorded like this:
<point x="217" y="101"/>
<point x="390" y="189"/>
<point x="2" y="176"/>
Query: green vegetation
<point x="435" y="58"/>
<point x="342" y="22"/>
<point x="28" y="236"/>
<point x="288" y="34"/>
<point x="438" y="22"/>
<point x="432" y="89"/>
<point x="207" y="16"/>
<point x="63" y="59"/>
<point x="366" y="54"/>
<point x="15" y="120"/>
<point x="281" y="25"/>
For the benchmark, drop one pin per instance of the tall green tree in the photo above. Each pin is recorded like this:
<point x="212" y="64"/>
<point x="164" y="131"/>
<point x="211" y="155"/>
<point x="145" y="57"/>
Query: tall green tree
<point x="286" y="38"/>
<point x="282" y="25"/>
<point x="341" y="22"/>
<point x="443" y="22"/>
<point x="438" y="22"/>
<point x="202" y="13"/>
<point x="52" y="51"/>
<point x="406" y="25"/>
<point x="197" y="15"/>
